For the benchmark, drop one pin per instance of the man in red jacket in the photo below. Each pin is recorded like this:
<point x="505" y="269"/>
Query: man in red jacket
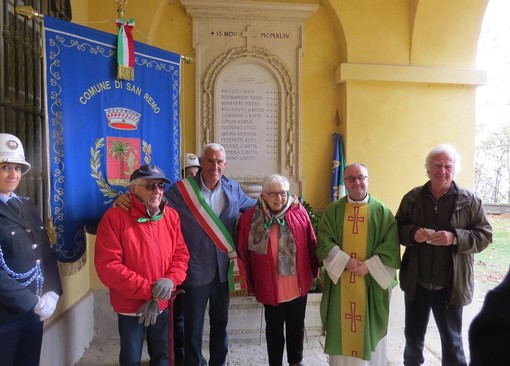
<point x="141" y="257"/>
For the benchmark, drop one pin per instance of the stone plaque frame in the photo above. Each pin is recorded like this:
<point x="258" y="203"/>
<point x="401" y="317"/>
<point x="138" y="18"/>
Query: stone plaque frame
<point x="269" y="35"/>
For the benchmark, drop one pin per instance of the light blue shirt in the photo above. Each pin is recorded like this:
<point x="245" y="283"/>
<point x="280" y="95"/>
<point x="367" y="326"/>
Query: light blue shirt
<point x="216" y="198"/>
<point x="5" y="198"/>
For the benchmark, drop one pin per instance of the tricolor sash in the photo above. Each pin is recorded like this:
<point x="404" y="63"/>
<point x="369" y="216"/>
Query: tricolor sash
<point x="218" y="233"/>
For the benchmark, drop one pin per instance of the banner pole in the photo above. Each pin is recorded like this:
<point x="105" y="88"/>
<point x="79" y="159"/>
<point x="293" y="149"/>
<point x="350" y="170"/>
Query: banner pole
<point x="28" y="12"/>
<point x="120" y="9"/>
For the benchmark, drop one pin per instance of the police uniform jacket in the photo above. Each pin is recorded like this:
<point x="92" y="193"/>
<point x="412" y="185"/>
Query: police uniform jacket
<point x="24" y="248"/>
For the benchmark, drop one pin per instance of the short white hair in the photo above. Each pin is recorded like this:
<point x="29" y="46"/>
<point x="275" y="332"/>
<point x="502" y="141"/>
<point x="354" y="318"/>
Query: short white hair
<point x="447" y="149"/>
<point x="275" y="179"/>
<point x="214" y="147"/>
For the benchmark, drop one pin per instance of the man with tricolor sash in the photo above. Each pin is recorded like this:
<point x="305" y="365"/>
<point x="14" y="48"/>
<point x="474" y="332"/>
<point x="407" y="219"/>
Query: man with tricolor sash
<point x="209" y="205"/>
<point x="359" y="246"/>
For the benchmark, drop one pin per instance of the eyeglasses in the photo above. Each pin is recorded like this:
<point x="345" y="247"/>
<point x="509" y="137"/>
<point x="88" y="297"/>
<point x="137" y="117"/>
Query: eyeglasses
<point x="352" y="178"/>
<point x="152" y="186"/>
<point x="282" y="194"/>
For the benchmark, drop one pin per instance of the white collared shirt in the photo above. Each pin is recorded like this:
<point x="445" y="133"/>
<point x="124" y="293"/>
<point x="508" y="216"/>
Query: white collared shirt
<point x="363" y="201"/>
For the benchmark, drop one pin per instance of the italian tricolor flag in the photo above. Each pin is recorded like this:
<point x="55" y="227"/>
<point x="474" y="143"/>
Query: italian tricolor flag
<point x="125" y="50"/>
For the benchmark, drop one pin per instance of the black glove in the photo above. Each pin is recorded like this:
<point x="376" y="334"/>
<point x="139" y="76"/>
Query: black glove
<point x="148" y="313"/>
<point x="162" y="289"/>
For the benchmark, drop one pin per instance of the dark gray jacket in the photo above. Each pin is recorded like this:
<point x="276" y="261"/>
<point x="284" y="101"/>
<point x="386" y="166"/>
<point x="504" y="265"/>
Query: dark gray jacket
<point x="471" y="227"/>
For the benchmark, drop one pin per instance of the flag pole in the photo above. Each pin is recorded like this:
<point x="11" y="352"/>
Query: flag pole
<point x="338" y="163"/>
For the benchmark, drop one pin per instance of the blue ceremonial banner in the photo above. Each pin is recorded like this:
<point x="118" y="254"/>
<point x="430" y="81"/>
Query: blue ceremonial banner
<point x="337" y="173"/>
<point x="101" y="129"/>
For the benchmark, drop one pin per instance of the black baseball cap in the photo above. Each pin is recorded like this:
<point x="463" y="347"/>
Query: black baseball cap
<point x="149" y="171"/>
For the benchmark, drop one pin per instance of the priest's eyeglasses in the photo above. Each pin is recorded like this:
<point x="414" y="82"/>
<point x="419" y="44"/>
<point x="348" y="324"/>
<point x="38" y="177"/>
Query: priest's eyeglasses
<point x="352" y="178"/>
<point x="153" y="186"/>
<point x="282" y="194"/>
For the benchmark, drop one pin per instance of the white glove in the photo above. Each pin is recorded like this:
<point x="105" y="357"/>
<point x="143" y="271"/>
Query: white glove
<point x="46" y="305"/>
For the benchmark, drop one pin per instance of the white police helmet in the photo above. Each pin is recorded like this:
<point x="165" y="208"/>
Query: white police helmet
<point x="191" y="160"/>
<point x="11" y="151"/>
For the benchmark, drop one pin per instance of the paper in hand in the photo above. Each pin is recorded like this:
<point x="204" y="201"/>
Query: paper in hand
<point x="429" y="233"/>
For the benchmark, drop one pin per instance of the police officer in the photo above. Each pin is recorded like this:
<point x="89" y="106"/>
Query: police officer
<point x="29" y="279"/>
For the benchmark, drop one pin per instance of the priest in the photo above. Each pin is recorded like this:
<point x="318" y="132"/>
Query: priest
<point x="359" y="247"/>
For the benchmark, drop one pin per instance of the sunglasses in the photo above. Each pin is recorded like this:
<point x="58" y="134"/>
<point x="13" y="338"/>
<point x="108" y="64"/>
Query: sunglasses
<point x="152" y="186"/>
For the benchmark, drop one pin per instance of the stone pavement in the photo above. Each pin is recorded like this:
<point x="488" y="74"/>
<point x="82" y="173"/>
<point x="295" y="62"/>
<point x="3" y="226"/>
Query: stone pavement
<point x="104" y="352"/>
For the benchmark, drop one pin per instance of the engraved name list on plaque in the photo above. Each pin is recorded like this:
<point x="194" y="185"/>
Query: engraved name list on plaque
<point x="248" y="119"/>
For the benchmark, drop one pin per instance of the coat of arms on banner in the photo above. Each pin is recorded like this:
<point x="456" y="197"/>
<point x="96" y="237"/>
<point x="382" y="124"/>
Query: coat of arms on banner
<point x="123" y="158"/>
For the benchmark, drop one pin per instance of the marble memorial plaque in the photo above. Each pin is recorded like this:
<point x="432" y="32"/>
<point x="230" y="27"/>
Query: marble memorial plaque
<point x="248" y="56"/>
<point x="247" y="115"/>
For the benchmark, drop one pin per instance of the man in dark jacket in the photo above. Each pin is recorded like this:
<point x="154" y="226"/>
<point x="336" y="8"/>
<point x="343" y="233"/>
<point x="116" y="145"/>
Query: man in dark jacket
<point x="29" y="280"/>
<point x="441" y="225"/>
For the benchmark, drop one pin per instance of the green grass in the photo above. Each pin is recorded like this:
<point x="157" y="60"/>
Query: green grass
<point x="492" y="264"/>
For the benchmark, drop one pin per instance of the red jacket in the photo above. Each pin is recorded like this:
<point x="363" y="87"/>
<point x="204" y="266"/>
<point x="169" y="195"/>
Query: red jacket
<point x="131" y="255"/>
<point x="260" y="268"/>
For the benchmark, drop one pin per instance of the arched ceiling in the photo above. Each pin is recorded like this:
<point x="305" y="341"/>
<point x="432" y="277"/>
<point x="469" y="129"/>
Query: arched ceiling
<point x="414" y="32"/>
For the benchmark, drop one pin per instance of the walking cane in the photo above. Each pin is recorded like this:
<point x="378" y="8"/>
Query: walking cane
<point x="171" y="352"/>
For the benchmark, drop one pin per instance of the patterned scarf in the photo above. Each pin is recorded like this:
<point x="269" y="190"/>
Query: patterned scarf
<point x="258" y="239"/>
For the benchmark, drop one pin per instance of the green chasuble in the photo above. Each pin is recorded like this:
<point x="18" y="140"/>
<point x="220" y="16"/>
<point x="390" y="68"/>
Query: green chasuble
<point x="372" y="312"/>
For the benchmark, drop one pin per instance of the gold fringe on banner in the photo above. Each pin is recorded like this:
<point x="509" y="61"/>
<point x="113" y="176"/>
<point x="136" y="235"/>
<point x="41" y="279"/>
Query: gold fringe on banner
<point x="125" y="73"/>
<point x="69" y="269"/>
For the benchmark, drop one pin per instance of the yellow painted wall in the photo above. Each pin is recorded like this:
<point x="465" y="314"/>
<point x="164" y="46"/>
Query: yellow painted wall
<point x="75" y="287"/>
<point x="392" y="121"/>
<point x="399" y="73"/>
<point x="396" y="125"/>
<point x="78" y="284"/>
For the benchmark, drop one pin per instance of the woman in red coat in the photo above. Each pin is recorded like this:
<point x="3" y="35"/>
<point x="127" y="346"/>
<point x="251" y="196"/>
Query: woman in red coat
<point x="276" y="244"/>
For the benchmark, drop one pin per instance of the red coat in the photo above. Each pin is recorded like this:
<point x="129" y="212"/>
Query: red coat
<point x="131" y="255"/>
<point x="260" y="268"/>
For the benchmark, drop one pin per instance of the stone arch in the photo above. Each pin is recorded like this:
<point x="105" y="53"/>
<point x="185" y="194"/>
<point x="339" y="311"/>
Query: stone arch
<point x="446" y="33"/>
